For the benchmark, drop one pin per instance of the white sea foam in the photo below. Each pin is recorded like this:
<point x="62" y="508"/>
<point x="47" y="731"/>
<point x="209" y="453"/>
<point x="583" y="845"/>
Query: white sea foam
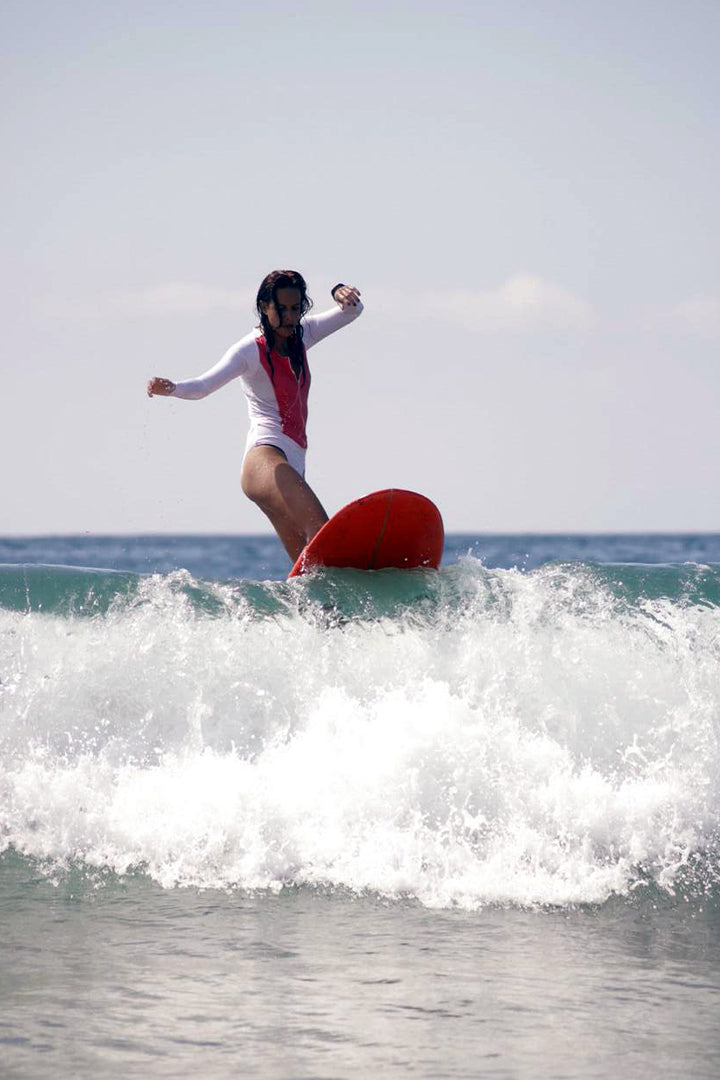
<point x="527" y="739"/>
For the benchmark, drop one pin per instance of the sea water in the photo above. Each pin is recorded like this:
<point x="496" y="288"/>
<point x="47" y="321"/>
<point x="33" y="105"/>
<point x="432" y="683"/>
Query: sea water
<point x="462" y="823"/>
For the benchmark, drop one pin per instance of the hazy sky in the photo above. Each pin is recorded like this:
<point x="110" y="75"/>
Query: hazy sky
<point x="525" y="192"/>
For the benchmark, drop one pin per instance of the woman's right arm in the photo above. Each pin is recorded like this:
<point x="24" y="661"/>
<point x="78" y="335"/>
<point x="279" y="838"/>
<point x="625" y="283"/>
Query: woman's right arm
<point x="236" y="361"/>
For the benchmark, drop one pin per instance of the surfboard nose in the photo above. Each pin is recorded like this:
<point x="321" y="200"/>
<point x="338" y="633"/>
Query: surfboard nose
<point x="392" y="528"/>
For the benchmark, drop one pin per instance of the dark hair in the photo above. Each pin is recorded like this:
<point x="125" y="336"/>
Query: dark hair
<point x="267" y="293"/>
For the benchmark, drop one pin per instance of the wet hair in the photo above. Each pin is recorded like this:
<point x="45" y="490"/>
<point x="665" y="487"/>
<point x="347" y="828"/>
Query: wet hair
<point x="267" y="293"/>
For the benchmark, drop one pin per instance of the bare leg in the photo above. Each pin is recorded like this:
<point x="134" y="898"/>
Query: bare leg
<point x="281" y="493"/>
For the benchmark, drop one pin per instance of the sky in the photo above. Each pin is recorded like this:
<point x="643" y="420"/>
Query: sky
<point x="526" y="194"/>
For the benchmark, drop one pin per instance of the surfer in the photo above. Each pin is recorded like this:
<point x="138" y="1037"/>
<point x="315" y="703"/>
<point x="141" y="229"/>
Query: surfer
<point x="271" y="363"/>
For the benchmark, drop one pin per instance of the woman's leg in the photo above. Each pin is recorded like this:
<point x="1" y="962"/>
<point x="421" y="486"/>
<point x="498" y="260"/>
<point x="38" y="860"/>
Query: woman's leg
<point x="281" y="493"/>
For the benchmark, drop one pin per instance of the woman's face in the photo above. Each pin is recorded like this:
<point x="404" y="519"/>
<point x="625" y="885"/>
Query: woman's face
<point x="284" y="315"/>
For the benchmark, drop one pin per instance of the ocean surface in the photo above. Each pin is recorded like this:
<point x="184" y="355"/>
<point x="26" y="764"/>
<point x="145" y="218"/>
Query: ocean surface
<point x="418" y="824"/>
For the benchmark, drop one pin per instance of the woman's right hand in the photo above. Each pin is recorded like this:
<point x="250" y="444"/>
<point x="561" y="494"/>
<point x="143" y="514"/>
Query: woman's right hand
<point x="161" y="387"/>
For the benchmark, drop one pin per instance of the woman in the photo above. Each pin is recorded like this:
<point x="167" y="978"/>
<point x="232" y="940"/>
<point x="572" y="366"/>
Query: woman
<point x="272" y="365"/>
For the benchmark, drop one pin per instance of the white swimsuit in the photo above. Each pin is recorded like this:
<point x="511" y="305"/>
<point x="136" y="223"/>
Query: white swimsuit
<point x="277" y="399"/>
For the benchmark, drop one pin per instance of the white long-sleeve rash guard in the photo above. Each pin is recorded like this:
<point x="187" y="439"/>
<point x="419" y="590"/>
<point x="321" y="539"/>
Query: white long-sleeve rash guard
<point x="277" y="400"/>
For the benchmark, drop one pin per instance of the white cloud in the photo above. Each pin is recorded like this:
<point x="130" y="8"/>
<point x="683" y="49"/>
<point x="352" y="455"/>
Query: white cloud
<point x="700" y="315"/>
<point x="523" y="303"/>
<point x="174" y="298"/>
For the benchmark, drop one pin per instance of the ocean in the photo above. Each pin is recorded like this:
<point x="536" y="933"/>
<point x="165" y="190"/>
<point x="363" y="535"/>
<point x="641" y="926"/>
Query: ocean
<point x="418" y="824"/>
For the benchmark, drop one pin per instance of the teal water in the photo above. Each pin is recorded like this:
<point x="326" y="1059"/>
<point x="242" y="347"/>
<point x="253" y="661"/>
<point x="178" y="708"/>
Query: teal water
<point x="450" y="824"/>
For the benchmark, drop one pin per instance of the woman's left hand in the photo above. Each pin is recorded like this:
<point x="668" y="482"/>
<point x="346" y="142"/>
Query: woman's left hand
<point x="347" y="296"/>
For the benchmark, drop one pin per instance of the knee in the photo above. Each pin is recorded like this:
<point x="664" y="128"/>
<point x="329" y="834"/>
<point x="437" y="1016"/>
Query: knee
<point x="260" y="486"/>
<point x="254" y="489"/>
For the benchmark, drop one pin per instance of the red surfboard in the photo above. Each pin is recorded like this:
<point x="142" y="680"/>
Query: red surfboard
<point x="391" y="528"/>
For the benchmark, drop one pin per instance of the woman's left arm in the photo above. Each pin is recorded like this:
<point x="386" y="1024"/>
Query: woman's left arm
<point x="348" y="307"/>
